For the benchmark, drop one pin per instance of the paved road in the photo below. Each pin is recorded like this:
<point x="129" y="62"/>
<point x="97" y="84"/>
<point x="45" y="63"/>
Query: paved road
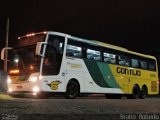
<point x="92" y="108"/>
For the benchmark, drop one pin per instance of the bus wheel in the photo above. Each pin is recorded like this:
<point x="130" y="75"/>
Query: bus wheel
<point x="113" y="96"/>
<point x="135" y="93"/>
<point x="143" y="92"/>
<point x="72" y="90"/>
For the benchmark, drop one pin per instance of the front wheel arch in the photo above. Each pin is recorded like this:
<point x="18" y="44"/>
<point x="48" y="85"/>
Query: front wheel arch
<point x="72" y="89"/>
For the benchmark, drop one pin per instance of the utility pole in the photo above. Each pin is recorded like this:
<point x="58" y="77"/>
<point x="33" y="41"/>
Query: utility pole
<point x="6" y="45"/>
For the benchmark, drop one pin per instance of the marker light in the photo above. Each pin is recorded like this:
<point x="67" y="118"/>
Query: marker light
<point x="45" y="32"/>
<point x="32" y="34"/>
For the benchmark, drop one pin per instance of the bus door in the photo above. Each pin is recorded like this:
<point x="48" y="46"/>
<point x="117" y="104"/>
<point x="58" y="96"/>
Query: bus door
<point x="52" y="63"/>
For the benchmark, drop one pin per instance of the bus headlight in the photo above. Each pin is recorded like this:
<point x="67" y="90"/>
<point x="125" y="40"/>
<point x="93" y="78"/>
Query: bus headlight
<point x="35" y="89"/>
<point x="9" y="90"/>
<point x="33" y="79"/>
<point x="9" y="80"/>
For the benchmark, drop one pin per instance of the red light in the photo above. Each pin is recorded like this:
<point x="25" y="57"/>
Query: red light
<point x="14" y="71"/>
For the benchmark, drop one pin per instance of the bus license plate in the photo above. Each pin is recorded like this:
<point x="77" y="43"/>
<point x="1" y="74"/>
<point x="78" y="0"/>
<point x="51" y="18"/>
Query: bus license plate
<point x="19" y="87"/>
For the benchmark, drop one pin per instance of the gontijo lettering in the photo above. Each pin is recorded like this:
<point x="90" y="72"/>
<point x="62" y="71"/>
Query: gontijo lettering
<point x="128" y="71"/>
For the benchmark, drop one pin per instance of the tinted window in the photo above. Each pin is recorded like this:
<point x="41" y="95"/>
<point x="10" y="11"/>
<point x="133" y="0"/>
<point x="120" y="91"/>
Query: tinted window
<point x="50" y="66"/>
<point x="74" y="51"/>
<point x="134" y="63"/>
<point x="109" y="58"/>
<point x="152" y="66"/>
<point x="57" y="42"/>
<point x="123" y="60"/>
<point x="93" y="54"/>
<point x="53" y="55"/>
<point x="144" y="65"/>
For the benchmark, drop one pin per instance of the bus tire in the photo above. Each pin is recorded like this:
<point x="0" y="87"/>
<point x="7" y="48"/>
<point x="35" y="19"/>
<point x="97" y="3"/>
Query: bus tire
<point x="113" y="96"/>
<point x="135" y="93"/>
<point x="72" y="90"/>
<point x="143" y="92"/>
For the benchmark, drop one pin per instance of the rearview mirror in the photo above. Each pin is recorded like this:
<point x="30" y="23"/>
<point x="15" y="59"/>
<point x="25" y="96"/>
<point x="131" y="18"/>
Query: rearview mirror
<point x="4" y="52"/>
<point x="39" y="48"/>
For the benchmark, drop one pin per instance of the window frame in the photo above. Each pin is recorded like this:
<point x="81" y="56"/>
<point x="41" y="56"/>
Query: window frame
<point x="75" y="43"/>
<point x="85" y="46"/>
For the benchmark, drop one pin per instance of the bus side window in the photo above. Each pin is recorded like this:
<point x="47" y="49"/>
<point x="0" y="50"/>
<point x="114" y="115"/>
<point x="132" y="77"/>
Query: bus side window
<point x="93" y="55"/>
<point x="152" y="66"/>
<point x="144" y="65"/>
<point x="74" y="51"/>
<point x="57" y="42"/>
<point x="109" y="58"/>
<point x="123" y="60"/>
<point x="134" y="63"/>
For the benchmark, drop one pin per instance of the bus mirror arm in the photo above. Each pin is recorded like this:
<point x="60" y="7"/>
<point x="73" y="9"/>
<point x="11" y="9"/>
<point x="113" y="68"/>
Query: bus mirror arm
<point x="39" y="47"/>
<point x="3" y="52"/>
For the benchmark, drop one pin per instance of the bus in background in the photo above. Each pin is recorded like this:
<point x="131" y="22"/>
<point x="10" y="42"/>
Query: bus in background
<point x="52" y="62"/>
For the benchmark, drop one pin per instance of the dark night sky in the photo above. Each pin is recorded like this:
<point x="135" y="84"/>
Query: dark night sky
<point x="133" y="24"/>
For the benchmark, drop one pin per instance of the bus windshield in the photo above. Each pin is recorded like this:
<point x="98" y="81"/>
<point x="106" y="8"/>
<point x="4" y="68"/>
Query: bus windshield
<point x="25" y="61"/>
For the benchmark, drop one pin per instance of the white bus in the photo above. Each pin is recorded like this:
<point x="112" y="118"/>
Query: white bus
<point x="52" y="63"/>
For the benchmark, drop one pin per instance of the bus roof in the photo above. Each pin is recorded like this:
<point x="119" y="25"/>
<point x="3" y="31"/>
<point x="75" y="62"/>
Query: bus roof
<point x="98" y="43"/>
<point x="94" y="42"/>
<point x="114" y="47"/>
<point x="123" y="49"/>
